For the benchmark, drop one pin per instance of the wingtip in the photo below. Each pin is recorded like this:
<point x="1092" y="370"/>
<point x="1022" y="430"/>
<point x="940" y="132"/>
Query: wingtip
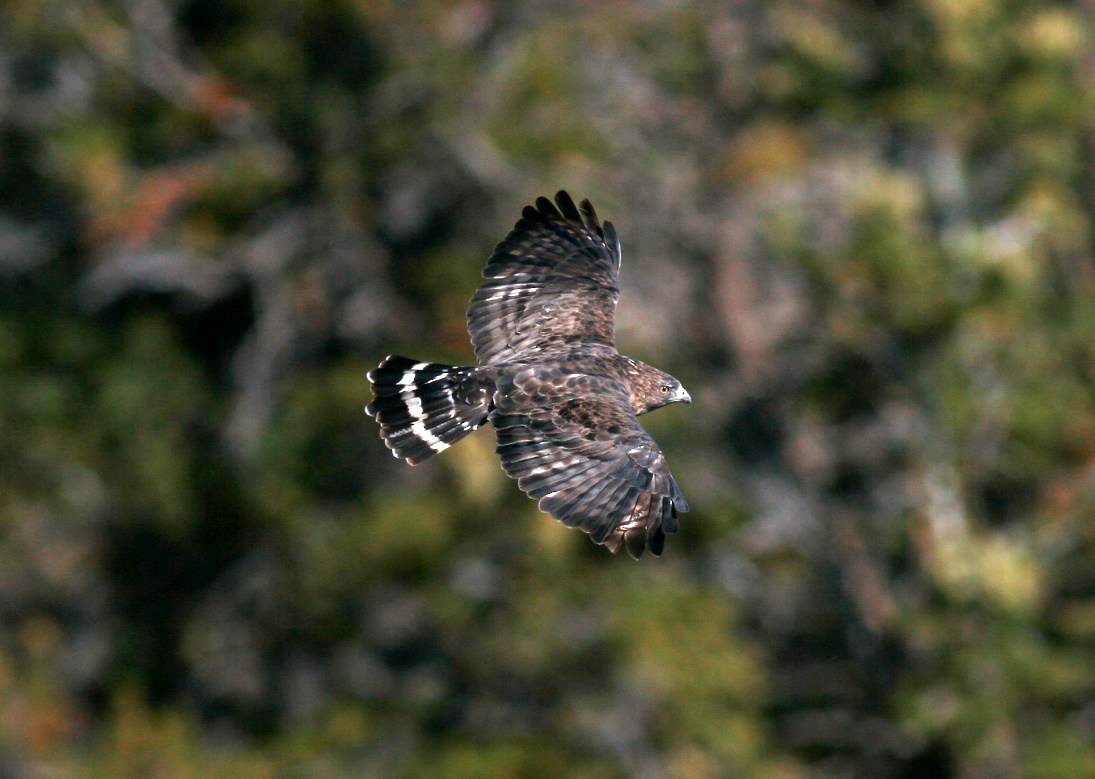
<point x="612" y="240"/>
<point x="635" y="541"/>
<point x="656" y="542"/>
<point x="589" y="215"/>
<point x="546" y="208"/>
<point x="566" y="206"/>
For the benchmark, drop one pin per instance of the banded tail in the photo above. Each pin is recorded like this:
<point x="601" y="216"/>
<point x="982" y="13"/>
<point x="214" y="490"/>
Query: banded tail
<point x="424" y="408"/>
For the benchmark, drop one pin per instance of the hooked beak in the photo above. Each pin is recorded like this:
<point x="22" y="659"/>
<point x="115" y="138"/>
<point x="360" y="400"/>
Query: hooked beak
<point x="682" y="396"/>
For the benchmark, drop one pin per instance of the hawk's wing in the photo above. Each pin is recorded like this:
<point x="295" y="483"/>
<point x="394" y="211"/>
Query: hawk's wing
<point x="574" y="444"/>
<point x="554" y="279"/>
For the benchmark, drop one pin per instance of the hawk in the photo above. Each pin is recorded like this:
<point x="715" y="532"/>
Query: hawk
<point x="563" y="401"/>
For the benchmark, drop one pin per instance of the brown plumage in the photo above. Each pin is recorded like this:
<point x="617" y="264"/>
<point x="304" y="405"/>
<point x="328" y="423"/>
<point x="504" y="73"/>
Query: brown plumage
<point x="563" y="401"/>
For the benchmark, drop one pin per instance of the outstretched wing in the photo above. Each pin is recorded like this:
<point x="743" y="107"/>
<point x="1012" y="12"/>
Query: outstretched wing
<point x="553" y="280"/>
<point x="574" y="444"/>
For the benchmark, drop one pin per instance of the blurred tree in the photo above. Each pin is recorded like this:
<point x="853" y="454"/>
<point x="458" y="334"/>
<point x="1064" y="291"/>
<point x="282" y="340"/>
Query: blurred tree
<point x="862" y="232"/>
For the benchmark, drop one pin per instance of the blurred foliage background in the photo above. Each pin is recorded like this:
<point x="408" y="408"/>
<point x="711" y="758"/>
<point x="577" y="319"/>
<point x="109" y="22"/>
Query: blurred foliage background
<point x="860" y="232"/>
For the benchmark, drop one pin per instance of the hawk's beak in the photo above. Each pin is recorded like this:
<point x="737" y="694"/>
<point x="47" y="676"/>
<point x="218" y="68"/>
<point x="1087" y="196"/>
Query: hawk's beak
<point x="682" y="396"/>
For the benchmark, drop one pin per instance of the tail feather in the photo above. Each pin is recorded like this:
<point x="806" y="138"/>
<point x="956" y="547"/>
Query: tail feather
<point x="420" y="406"/>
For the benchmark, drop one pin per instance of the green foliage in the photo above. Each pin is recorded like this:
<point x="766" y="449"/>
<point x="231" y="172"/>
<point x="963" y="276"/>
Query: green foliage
<point x="862" y="233"/>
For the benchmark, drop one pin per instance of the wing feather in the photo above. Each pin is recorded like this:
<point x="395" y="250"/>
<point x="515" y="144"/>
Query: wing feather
<point x="552" y="439"/>
<point x="553" y="280"/>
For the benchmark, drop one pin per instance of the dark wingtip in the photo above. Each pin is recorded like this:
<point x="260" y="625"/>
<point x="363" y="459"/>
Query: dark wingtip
<point x="566" y="206"/>
<point x="613" y="240"/>
<point x="547" y="208"/>
<point x="589" y="216"/>
<point x="635" y="541"/>
<point x="656" y="542"/>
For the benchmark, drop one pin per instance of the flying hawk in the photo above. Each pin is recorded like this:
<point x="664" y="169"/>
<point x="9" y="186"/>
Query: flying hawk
<point x="563" y="401"/>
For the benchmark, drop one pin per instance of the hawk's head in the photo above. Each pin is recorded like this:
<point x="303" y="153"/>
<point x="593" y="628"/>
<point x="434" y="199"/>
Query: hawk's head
<point x="652" y="388"/>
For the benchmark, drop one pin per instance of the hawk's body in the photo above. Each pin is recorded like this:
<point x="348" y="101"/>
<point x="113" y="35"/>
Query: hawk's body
<point x="564" y="402"/>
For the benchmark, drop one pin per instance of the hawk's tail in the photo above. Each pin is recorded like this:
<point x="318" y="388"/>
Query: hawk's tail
<point x="424" y="408"/>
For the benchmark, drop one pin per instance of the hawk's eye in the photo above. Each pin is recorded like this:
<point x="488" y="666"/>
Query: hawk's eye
<point x="665" y="389"/>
